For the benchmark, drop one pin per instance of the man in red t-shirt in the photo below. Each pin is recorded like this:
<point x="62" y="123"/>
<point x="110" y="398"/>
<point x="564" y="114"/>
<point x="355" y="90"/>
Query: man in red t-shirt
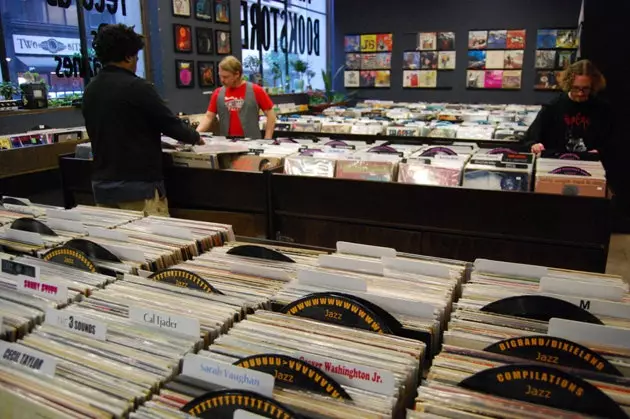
<point x="238" y="104"/>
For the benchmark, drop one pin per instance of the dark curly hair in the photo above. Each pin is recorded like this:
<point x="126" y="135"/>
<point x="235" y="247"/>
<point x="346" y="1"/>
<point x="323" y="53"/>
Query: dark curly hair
<point x="114" y="43"/>
<point x="583" y="68"/>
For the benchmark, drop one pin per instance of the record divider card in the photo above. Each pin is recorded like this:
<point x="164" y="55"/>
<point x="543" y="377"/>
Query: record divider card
<point x="185" y="279"/>
<point x="71" y="257"/>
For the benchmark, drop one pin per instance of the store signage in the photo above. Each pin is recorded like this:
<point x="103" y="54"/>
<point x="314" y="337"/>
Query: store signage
<point x="99" y="5"/>
<point x="73" y="66"/>
<point x="45" y="45"/>
<point x="269" y="28"/>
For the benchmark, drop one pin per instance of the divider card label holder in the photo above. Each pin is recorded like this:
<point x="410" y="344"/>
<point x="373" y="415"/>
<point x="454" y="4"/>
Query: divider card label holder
<point x="25" y="237"/>
<point x="544" y="385"/>
<point x="28" y="358"/>
<point x="539" y="307"/>
<point x="510" y="269"/>
<point x="596" y="307"/>
<point x="558" y="351"/>
<point x="76" y="324"/>
<point x="365" y="250"/>
<point x="233" y="404"/>
<point x="293" y="373"/>
<point x="601" y="335"/>
<point x="416" y="267"/>
<point x="64" y="215"/>
<point x="346" y="373"/>
<point x="345" y="263"/>
<point x="166" y="321"/>
<point x="70" y="257"/>
<point x="579" y="288"/>
<point x="66" y="225"/>
<point x="327" y="279"/>
<point x="184" y="279"/>
<point x="227" y="375"/>
<point x="27" y="279"/>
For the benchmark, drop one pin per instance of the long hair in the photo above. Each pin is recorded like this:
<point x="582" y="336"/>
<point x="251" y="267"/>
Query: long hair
<point x="583" y="68"/>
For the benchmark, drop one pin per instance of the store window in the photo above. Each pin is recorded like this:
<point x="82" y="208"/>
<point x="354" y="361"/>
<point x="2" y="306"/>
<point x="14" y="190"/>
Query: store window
<point x="288" y="38"/>
<point x="42" y="41"/>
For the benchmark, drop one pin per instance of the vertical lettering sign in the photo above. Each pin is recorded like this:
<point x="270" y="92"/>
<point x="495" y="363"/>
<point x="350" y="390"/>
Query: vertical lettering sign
<point x="269" y="28"/>
<point x="99" y="5"/>
<point x="28" y="358"/>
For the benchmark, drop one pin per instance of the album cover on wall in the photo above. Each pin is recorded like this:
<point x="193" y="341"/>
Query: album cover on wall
<point x="513" y="59"/>
<point x="446" y="41"/>
<point x="205" y="41"/>
<point x="475" y="79"/>
<point x="411" y="60"/>
<point x="516" y="39"/>
<point x="353" y="61"/>
<point x="546" y="80"/>
<point x="222" y="11"/>
<point x="185" y="73"/>
<point x="181" y="8"/>
<point x="566" y="58"/>
<point x="224" y="43"/>
<point x="427" y="41"/>
<point x="206" y="74"/>
<point x="428" y="60"/>
<point x="367" y="78"/>
<point x="368" y="43"/>
<point x="545" y="59"/>
<point x="497" y="39"/>
<point x="383" y="60"/>
<point x="385" y="42"/>
<point x="567" y="38"/>
<point x="203" y="10"/>
<point x="495" y="59"/>
<point x="183" y="38"/>
<point x="352" y="79"/>
<point x="493" y="79"/>
<point x="446" y="60"/>
<point x="546" y="38"/>
<point x="477" y="59"/>
<point x="411" y="78"/>
<point x="477" y="39"/>
<point x="383" y="78"/>
<point x="368" y="62"/>
<point x="428" y="79"/>
<point x="512" y="79"/>
<point x="352" y="43"/>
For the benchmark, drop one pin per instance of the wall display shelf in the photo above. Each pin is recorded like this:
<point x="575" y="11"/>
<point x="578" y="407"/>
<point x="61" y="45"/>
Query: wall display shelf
<point x="556" y="49"/>
<point x="454" y="223"/>
<point x="368" y="60"/>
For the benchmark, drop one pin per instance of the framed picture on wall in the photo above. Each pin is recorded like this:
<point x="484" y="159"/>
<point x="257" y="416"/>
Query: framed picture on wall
<point x="224" y="43"/>
<point x="222" y="11"/>
<point x="205" y="41"/>
<point x="182" y="35"/>
<point x="185" y="73"/>
<point x="203" y="10"/>
<point x="206" y="73"/>
<point x="181" y="8"/>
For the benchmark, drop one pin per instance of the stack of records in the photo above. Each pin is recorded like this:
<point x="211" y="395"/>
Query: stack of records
<point x="7" y="216"/>
<point x="501" y="172"/>
<point x="368" y="375"/>
<point x="441" y="170"/>
<point x="562" y="177"/>
<point x="30" y="286"/>
<point x="28" y="235"/>
<point x="105" y="217"/>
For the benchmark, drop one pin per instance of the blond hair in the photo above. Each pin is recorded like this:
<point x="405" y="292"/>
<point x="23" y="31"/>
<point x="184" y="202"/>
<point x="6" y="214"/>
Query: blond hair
<point x="583" y="68"/>
<point x="231" y="64"/>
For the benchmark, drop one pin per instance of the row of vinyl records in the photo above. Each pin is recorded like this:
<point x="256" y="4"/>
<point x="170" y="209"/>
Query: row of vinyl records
<point x="281" y="331"/>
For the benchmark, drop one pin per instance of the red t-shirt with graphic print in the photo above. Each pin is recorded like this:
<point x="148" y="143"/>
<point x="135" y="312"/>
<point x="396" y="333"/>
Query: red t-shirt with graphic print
<point x="234" y="98"/>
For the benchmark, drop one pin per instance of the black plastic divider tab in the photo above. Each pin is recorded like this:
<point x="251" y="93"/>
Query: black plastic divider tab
<point x="223" y="403"/>
<point x="293" y="373"/>
<point x="540" y="307"/>
<point x="259" y="252"/>
<point x="71" y="257"/>
<point x="544" y="385"/>
<point x="12" y="201"/>
<point x="93" y="250"/>
<point x="33" y="226"/>
<point x="552" y="350"/>
<point x="184" y="279"/>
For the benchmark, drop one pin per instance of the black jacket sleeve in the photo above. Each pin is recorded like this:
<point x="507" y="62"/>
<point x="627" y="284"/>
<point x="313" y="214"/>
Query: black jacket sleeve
<point x="534" y="134"/>
<point x="146" y="97"/>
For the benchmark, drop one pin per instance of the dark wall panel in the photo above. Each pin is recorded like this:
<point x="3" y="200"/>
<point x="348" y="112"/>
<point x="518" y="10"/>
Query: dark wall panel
<point x="404" y="18"/>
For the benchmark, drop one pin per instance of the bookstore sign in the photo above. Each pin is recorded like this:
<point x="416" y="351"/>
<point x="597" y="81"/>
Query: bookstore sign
<point x="271" y="28"/>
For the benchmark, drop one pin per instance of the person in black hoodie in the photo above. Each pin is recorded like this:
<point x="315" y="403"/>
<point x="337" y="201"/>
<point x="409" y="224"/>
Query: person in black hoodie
<point x="125" y="118"/>
<point x="576" y="121"/>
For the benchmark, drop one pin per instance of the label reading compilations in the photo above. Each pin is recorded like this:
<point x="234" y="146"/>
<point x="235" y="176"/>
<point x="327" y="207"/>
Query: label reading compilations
<point x="166" y="321"/>
<point x="28" y="358"/>
<point x="77" y="324"/>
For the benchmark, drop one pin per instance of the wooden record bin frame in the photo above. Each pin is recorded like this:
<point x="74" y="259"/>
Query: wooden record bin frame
<point x="562" y="231"/>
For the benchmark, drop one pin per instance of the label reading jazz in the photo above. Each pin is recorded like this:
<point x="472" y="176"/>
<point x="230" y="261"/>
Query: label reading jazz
<point x="165" y="321"/>
<point x="227" y="375"/>
<point x="48" y="289"/>
<point x="28" y="358"/>
<point x="77" y="324"/>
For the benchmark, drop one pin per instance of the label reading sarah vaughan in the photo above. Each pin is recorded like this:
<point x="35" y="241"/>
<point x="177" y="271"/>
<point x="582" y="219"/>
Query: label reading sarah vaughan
<point x="28" y="358"/>
<point x="166" y="321"/>
<point x="76" y="324"/>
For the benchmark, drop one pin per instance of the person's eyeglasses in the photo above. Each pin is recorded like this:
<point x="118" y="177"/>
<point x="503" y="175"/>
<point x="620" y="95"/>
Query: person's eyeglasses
<point x="576" y="89"/>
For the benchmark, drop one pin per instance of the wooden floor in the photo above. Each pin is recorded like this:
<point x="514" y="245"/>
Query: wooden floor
<point x="619" y="256"/>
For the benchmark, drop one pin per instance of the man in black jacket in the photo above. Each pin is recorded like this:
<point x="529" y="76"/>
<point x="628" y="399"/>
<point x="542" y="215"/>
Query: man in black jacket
<point x="125" y="118"/>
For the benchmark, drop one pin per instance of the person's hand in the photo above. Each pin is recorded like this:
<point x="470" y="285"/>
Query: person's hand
<point x="593" y="151"/>
<point x="201" y="142"/>
<point x="538" y="148"/>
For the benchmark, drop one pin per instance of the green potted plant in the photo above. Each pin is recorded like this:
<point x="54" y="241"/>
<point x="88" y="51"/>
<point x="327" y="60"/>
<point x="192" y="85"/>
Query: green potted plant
<point x="276" y="72"/>
<point x="251" y="64"/>
<point x="319" y="101"/>
<point x="34" y="91"/>
<point x="300" y="67"/>
<point x="8" y="89"/>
